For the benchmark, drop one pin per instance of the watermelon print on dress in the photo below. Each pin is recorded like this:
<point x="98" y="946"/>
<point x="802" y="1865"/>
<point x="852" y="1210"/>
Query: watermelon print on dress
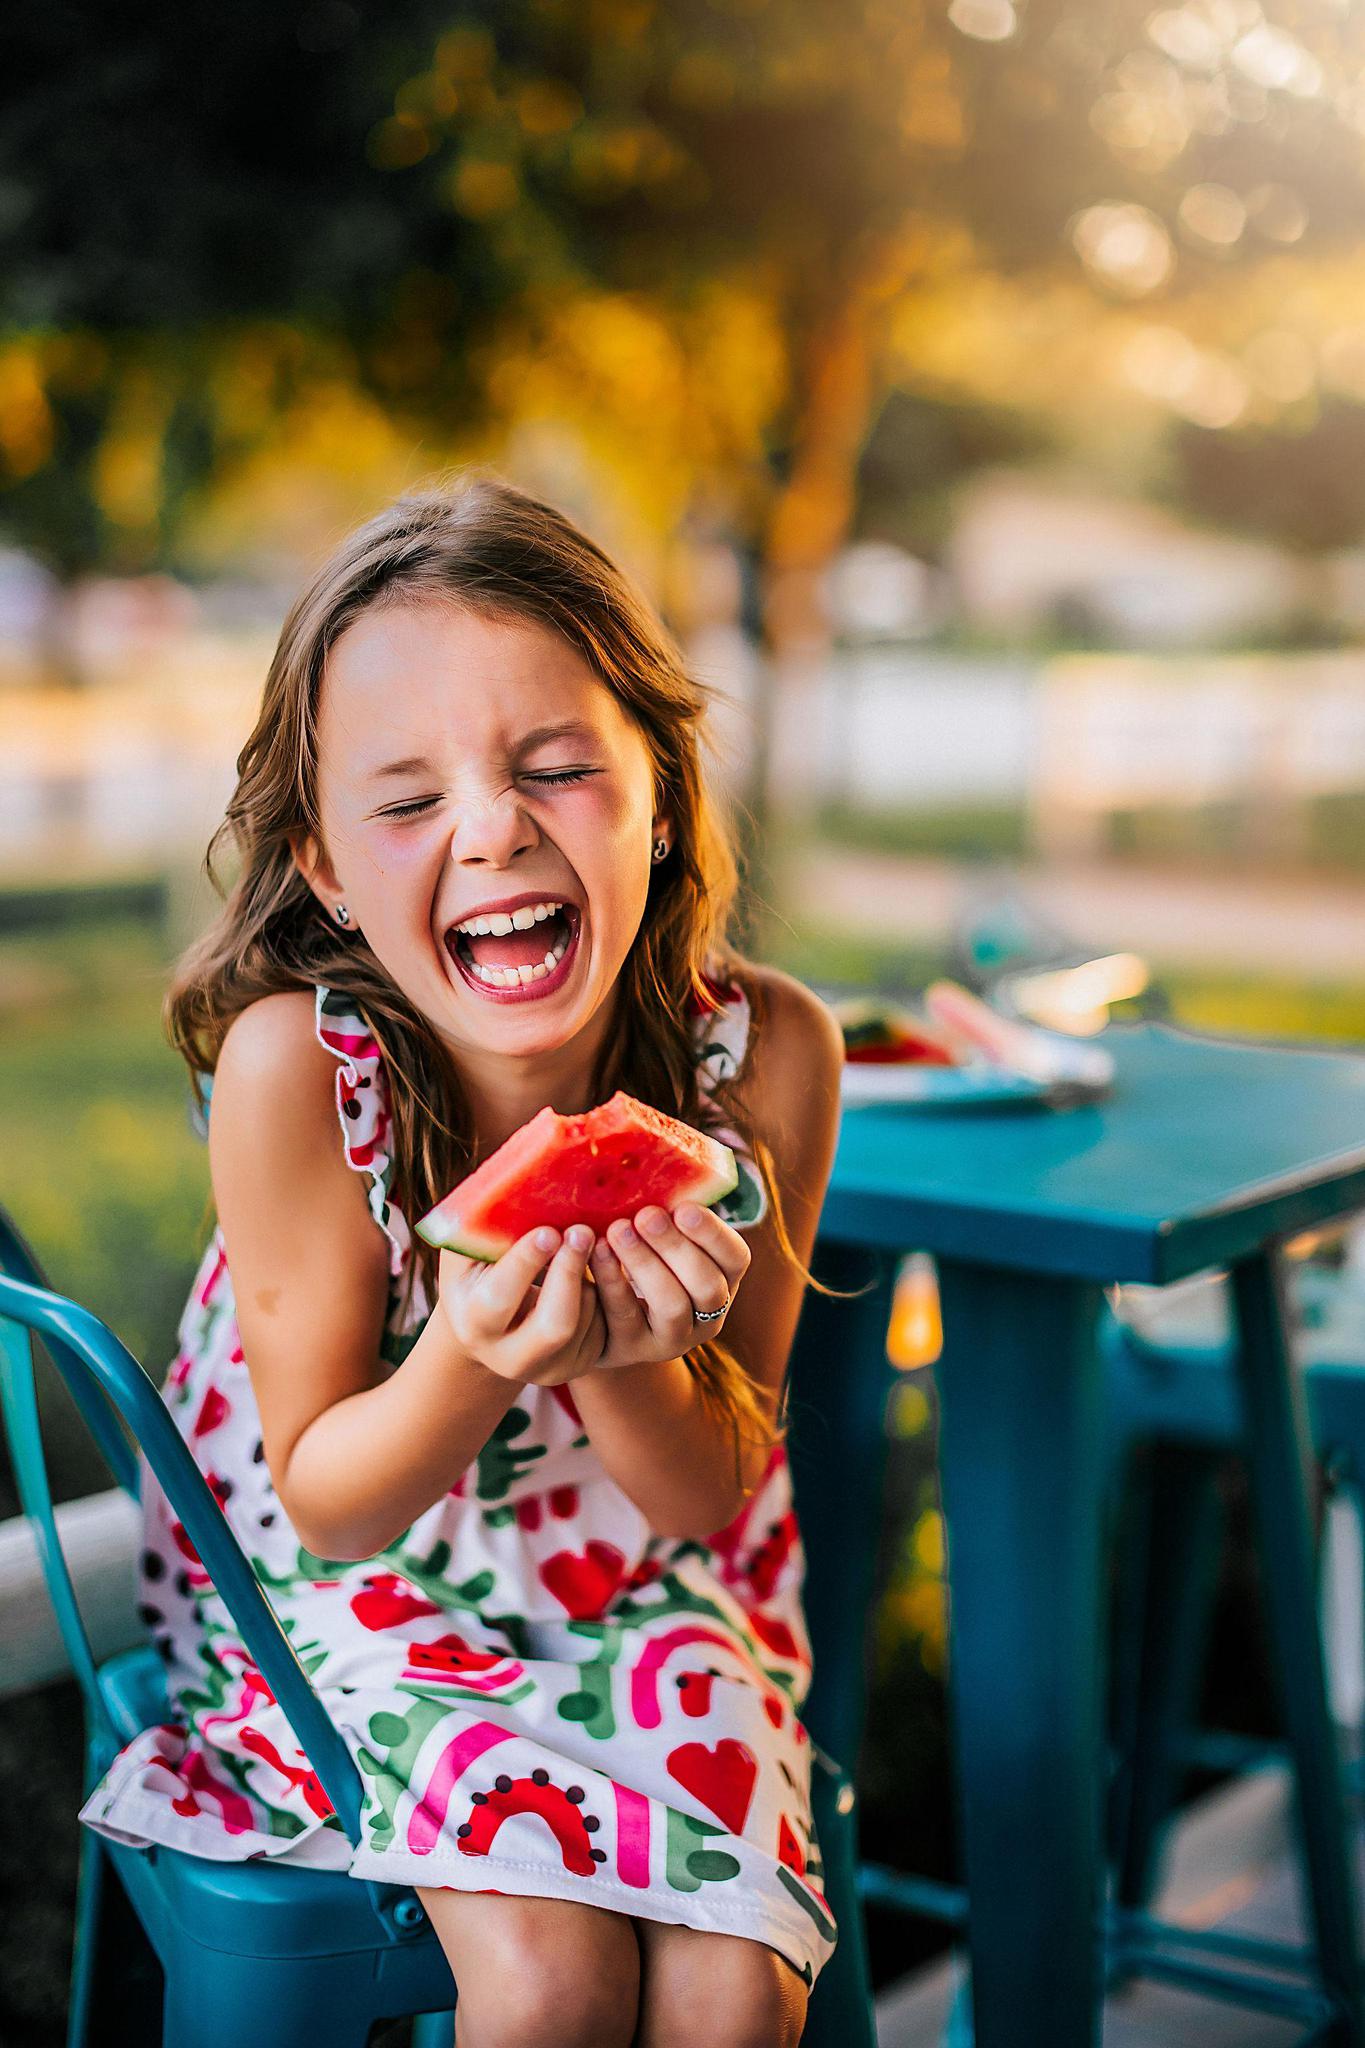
<point x="542" y="1695"/>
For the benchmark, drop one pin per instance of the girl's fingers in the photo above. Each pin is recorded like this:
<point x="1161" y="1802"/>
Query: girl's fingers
<point x="704" y="1280"/>
<point x="499" y="1291"/>
<point x="621" y="1305"/>
<point x="667" y="1303"/>
<point x="554" y="1320"/>
<point x="704" y="1228"/>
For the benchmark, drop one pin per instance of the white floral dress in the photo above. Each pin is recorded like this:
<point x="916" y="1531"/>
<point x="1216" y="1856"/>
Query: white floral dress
<point x="542" y="1695"/>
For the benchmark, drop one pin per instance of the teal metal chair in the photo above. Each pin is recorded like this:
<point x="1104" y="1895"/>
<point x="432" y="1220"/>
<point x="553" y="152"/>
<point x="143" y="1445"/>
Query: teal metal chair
<point x="199" y="1953"/>
<point x="1176" y="1423"/>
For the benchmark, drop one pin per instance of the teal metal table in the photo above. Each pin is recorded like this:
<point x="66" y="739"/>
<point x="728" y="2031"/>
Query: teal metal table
<point x="1208" y="1154"/>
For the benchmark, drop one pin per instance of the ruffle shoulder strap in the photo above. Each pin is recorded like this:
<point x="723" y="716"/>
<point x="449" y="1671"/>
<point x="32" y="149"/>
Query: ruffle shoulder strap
<point x="363" y="1107"/>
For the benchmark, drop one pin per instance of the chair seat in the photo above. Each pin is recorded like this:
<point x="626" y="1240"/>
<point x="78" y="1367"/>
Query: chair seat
<point x="266" y="1908"/>
<point x="258" y="1908"/>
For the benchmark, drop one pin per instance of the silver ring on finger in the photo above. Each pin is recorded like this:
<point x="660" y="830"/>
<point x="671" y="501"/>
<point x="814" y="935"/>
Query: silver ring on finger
<point x="710" y="1315"/>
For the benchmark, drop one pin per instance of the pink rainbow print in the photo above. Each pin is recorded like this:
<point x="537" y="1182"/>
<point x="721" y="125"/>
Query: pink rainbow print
<point x="632" y="1836"/>
<point x="424" y="1828"/>
<point x="644" y="1679"/>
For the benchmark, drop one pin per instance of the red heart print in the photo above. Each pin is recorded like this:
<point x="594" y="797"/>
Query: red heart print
<point x="388" y="1601"/>
<point x="584" y="1581"/>
<point x="722" y="1778"/>
<point x="775" y="1636"/>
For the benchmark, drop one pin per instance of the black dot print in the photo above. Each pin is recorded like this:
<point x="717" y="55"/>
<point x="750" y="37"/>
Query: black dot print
<point x="575" y="1795"/>
<point x="150" y="1615"/>
<point x="502" y="1784"/>
<point x="267" y="1521"/>
<point x="258" y="1455"/>
<point x="774" y="1528"/>
<point x="591" y="1823"/>
<point x="681" y="1680"/>
<point x="540" y="1777"/>
<point x="153" y="1565"/>
<point x="226" y="1489"/>
<point x="352" y="1109"/>
<point x="463" y="1829"/>
<point x="162" y="1646"/>
<point x="182" y="1585"/>
<point x="346" y="1688"/>
<point x="598" y="1855"/>
<point x="480" y="1799"/>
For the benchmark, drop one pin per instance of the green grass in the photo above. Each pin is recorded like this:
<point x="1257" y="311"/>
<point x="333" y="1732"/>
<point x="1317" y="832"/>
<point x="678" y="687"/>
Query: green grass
<point x="101" y="1170"/>
<point x="1328" y="833"/>
<point x="965" y="832"/>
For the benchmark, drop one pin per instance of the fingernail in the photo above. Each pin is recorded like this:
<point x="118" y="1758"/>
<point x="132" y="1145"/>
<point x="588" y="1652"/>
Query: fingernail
<point x="546" y="1239"/>
<point x="654" y="1222"/>
<point x="689" y="1216"/>
<point x="579" y="1236"/>
<point x="624" y="1234"/>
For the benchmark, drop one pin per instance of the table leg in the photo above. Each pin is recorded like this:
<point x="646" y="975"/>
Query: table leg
<point x="1022" y="1460"/>
<point x="840" y="1378"/>
<point x="1279" y="1454"/>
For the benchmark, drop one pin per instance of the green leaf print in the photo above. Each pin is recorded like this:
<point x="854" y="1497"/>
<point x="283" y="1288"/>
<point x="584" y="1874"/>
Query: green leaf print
<point x="395" y="1345"/>
<point x="688" y="1867"/>
<point x="806" y="1901"/>
<point x="744" y="1203"/>
<point x="499" y="1463"/>
<point x="401" y="1737"/>
<point x="591" y="1704"/>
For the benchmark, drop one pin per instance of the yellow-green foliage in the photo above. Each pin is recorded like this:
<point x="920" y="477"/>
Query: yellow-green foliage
<point x="100" y="1167"/>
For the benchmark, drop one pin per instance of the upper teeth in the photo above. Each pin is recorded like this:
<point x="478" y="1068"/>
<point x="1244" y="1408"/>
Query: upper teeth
<point x="501" y="922"/>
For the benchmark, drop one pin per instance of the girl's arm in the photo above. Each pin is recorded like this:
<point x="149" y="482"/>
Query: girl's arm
<point x="648" y="1423"/>
<point x="354" y="1456"/>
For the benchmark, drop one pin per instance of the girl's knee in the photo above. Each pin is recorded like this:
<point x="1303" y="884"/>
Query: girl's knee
<point x="766" y="2007"/>
<point x="723" y="1989"/>
<point x="538" y="1973"/>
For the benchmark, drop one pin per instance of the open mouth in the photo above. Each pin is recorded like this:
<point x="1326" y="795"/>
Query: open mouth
<point x="527" y="954"/>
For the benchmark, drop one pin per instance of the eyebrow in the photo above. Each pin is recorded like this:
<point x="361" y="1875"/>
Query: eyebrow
<point x="415" y="764"/>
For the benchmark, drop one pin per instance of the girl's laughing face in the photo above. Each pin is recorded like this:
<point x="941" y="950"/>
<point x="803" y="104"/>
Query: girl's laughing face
<point x="473" y="771"/>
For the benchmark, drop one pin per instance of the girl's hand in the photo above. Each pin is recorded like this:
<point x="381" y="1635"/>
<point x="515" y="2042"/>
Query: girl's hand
<point x="534" y="1331"/>
<point x="652" y="1279"/>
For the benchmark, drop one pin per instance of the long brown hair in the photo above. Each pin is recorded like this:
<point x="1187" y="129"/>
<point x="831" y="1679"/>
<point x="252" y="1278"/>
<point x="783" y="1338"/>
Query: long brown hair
<point x="479" y="542"/>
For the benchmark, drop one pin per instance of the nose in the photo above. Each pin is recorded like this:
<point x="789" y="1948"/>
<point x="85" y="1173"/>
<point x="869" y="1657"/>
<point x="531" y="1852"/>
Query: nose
<point x="492" y="832"/>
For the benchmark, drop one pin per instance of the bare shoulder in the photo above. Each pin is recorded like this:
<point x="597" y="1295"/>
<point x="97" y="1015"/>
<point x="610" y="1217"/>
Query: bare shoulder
<point x="273" y="1036"/>
<point x="274" y="1082"/>
<point x="798" y="1047"/>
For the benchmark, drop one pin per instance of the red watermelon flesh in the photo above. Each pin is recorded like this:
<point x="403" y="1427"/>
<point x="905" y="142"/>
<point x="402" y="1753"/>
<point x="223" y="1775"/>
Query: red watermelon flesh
<point x="590" y="1169"/>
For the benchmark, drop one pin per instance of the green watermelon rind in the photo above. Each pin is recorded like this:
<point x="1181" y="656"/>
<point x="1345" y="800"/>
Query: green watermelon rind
<point x="535" y="1143"/>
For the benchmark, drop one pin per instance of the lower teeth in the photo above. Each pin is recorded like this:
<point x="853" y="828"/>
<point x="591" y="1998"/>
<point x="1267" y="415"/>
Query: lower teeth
<point x="518" y="977"/>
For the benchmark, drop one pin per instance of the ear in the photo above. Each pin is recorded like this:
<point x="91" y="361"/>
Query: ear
<point x="662" y="828"/>
<point x="317" y="871"/>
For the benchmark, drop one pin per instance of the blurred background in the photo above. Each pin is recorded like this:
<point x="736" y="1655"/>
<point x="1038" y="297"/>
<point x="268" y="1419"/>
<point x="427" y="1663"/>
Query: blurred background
<point x="977" y="386"/>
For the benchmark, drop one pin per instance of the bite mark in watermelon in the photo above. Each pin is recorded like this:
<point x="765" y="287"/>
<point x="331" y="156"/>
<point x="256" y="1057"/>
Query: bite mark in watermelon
<point x="593" y="1169"/>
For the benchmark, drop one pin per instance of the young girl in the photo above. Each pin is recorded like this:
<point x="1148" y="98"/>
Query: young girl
<point x="528" y="1524"/>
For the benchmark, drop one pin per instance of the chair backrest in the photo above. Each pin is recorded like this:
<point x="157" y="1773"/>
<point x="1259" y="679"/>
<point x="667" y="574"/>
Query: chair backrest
<point x="18" y="1262"/>
<point x="103" y="1376"/>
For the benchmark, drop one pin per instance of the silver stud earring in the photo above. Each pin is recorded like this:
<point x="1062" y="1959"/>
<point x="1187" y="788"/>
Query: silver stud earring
<point x="660" y="849"/>
<point x="343" y="914"/>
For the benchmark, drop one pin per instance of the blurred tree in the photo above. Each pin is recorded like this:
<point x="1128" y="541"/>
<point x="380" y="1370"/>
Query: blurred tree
<point x="703" y="220"/>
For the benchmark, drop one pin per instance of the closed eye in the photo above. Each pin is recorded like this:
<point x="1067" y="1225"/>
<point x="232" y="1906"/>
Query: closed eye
<point x="424" y="803"/>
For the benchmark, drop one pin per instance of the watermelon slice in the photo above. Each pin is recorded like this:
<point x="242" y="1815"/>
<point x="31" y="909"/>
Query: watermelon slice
<point x="879" y="1033"/>
<point x="589" y="1169"/>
